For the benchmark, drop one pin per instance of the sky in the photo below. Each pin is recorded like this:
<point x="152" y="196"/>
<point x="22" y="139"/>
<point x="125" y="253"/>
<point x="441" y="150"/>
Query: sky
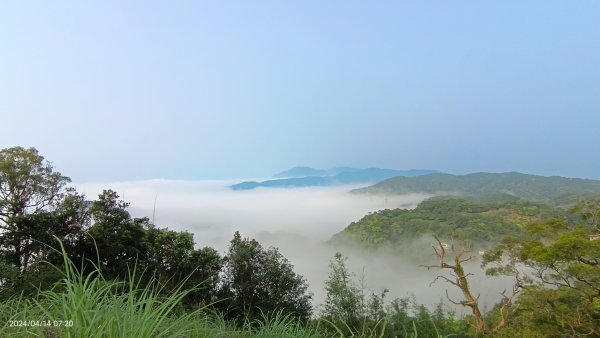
<point x="134" y="90"/>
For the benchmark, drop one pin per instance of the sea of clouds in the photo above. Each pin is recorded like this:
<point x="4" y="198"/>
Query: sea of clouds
<point x="298" y="221"/>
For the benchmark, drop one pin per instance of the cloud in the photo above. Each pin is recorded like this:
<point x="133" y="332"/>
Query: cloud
<point x="213" y="212"/>
<point x="298" y="222"/>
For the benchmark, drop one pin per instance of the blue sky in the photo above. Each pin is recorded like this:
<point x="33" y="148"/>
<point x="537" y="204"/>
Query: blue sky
<point x="116" y="90"/>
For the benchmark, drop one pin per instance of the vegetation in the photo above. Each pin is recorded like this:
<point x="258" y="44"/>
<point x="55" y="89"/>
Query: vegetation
<point x="352" y="310"/>
<point x="256" y="280"/>
<point x="554" y="190"/>
<point x="481" y="222"/>
<point x="71" y="267"/>
<point x="558" y="267"/>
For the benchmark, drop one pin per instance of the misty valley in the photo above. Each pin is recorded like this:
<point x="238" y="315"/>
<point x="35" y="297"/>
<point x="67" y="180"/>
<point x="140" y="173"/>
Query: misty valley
<point x="342" y="252"/>
<point x="299" y="169"/>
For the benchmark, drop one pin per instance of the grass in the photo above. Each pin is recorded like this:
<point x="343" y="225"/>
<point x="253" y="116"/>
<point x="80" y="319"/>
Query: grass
<point x="88" y="305"/>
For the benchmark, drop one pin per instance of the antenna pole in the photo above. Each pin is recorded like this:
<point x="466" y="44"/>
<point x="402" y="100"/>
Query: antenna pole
<point x="154" y="209"/>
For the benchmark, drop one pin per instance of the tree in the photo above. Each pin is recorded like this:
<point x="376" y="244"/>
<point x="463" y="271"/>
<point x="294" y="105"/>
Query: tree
<point x="259" y="280"/>
<point x="35" y="207"/>
<point x="173" y="260"/>
<point x="461" y="281"/>
<point x="348" y="307"/>
<point x="589" y="211"/>
<point x="115" y="240"/>
<point x="343" y="300"/>
<point x="559" y="265"/>
<point x="28" y="184"/>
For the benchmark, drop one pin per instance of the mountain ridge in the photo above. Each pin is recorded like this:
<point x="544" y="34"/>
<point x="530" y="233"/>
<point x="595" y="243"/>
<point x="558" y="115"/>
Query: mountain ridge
<point x="549" y="189"/>
<point x="347" y="175"/>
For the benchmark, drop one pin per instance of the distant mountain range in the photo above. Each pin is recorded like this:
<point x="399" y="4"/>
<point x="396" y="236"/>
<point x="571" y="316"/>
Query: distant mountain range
<point x="296" y="172"/>
<point x="310" y="177"/>
<point x="555" y="190"/>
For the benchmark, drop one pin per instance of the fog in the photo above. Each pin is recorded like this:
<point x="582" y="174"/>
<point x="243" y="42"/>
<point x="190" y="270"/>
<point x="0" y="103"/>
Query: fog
<point x="213" y="212"/>
<point x="298" y="221"/>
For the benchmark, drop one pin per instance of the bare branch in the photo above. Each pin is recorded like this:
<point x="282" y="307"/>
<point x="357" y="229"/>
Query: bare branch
<point x="462" y="255"/>
<point x="444" y="278"/>
<point x="453" y="302"/>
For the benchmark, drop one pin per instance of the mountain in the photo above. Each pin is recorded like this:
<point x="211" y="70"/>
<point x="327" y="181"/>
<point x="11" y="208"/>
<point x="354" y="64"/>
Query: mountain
<point x="555" y="190"/>
<point x="345" y="176"/>
<point x="460" y="219"/>
<point x="310" y="181"/>
<point x="308" y="171"/>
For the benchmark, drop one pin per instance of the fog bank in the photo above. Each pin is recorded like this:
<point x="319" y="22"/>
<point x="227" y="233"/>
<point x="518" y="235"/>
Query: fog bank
<point x="213" y="212"/>
<point x="297" y="221"/>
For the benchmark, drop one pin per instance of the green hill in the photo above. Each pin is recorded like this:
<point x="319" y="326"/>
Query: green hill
<point x="482" y="223"/>
<point x="555" y="190"/>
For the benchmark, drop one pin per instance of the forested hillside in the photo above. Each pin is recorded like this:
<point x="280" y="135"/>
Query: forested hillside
<point x="552" y="255"/>
<point x="554" y="190"/>
<point x="482" y="222"/>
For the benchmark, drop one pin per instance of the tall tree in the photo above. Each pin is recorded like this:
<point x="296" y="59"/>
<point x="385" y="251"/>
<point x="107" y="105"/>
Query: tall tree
<point x="173" y="260"/>
<point x="115" y="240"/>
<point x="344" y="299"/>
<point x="34" y="206"/>
<point x="28" y="184"/>
<point x="257" y="279"/>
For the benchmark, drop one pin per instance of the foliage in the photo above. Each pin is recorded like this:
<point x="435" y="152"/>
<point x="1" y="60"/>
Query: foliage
<point x="350" y="313"/>
<point x="459" y="278"/>
<point x="553" y="190"/>
<point x="115" y="240"/>
<point x="173" y="260"/>
<point x="590" y="211"/>
<point x="547" y="312"/>
<point x="115" y="275"/>
<point x="483" y="223"/>
<point x="256" y="279"/>
<point x="35" y="205"/>
<point x="27" y="183"/>
<point x="88" y="305"/>
<point x="280" y="325"/>
<point x="558" y="265"/>
<point x="92" y="306"/>
<point x="344" y="300"/>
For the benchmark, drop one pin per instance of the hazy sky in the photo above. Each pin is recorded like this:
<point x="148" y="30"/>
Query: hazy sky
<point x="122" y="90"/>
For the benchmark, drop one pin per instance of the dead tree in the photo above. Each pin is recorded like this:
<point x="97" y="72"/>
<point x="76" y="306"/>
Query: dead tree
<point x="461" y="281"/>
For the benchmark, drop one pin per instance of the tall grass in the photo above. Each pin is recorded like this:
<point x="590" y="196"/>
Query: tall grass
<point x="89" y="306"/>
<point x="280" y="325"/>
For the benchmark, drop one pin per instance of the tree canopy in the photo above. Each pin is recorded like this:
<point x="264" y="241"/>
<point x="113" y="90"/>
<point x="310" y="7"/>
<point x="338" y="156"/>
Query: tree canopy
<point x="256" y="278"/>
<point x="28" y="184"/>
<point x="558" y="265"/>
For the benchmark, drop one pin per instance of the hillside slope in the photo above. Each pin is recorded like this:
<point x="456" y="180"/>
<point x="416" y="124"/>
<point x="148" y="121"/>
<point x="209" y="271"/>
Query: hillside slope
<point x="555" y="190"/>
<point x="460" y="219"/>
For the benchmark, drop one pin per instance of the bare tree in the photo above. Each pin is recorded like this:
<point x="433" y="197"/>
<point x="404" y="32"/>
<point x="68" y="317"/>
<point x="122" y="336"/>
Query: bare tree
<point x="460" y="279"/>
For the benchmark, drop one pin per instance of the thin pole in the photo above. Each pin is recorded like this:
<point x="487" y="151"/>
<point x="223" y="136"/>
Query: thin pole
<point x="154" y="209"/>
